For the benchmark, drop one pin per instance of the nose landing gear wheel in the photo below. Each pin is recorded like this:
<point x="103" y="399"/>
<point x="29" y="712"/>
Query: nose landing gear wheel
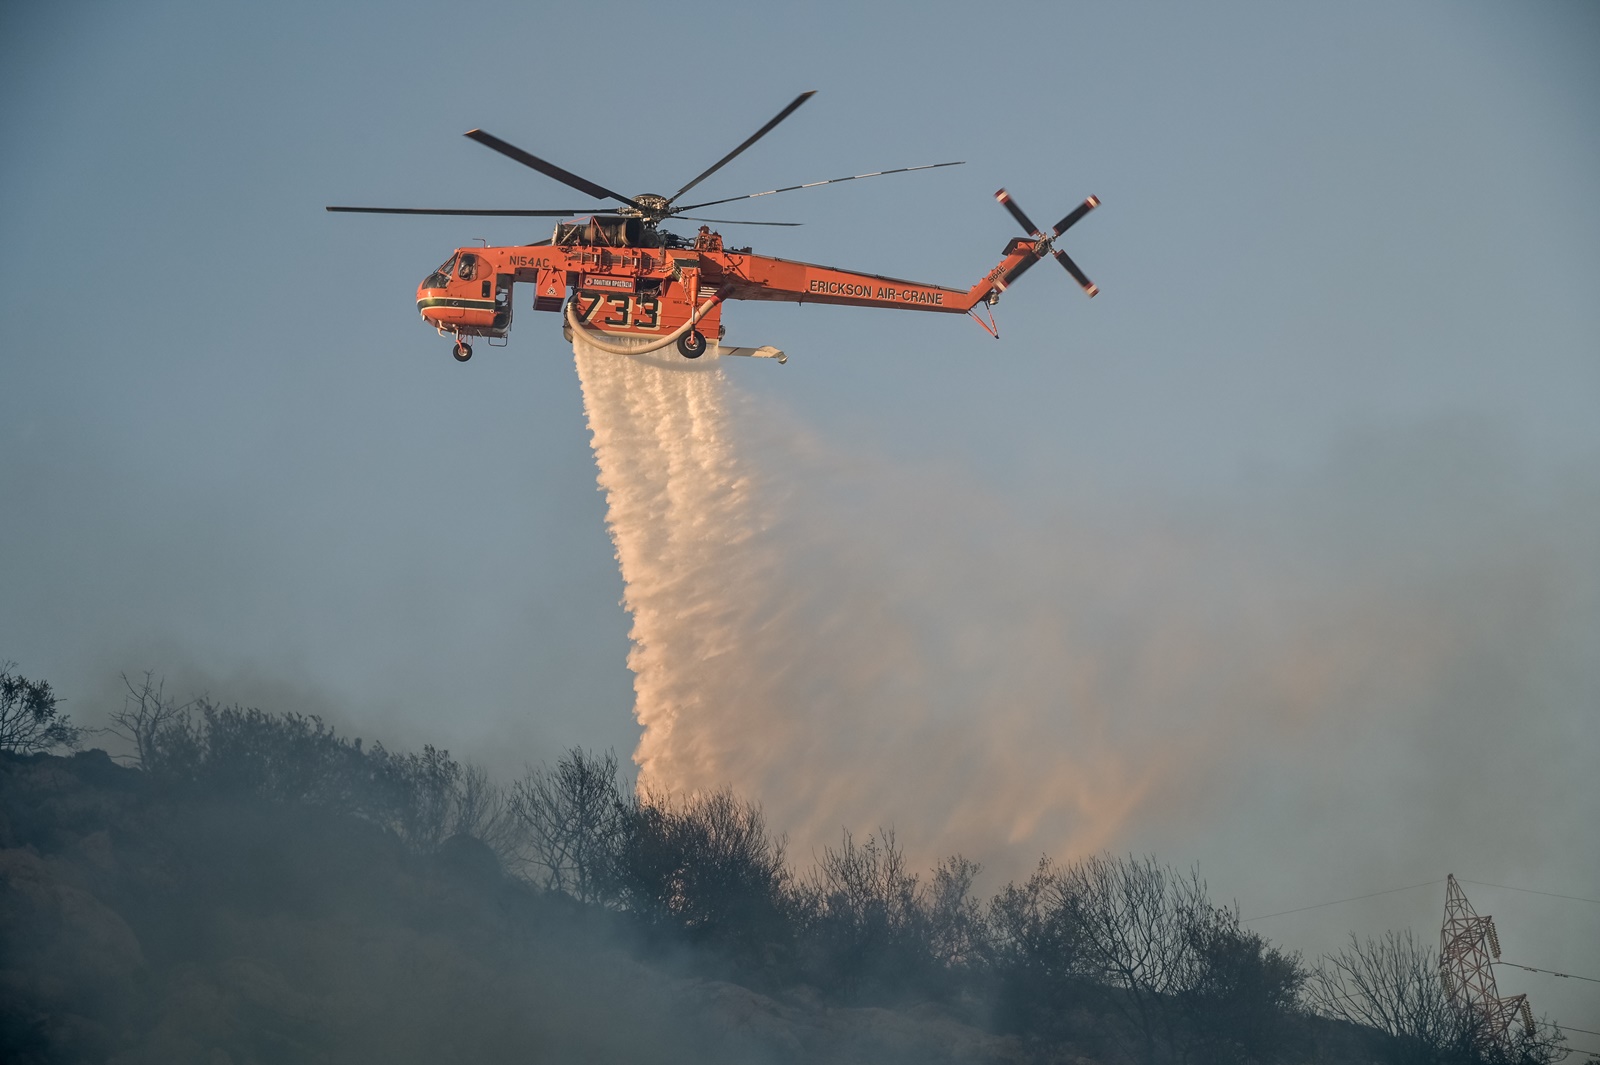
<point x="462" y="351"/>
<point x="692" y="344"/>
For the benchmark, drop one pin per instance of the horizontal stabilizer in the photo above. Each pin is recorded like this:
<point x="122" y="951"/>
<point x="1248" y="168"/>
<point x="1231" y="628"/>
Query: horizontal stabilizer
<point x="765" y="352"/>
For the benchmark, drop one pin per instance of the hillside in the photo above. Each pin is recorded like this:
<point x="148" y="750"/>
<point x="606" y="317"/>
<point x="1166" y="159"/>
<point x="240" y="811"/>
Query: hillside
<point x="146" y="926"/>
<point x="263" y="889"/>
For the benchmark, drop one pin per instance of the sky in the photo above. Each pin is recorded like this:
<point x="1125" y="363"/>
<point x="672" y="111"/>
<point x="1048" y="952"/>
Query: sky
<point x="1297" y="523"/>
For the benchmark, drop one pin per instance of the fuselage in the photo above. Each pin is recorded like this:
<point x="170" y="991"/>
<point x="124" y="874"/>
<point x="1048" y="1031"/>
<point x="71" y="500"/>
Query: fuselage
<point x="629" y="280"/>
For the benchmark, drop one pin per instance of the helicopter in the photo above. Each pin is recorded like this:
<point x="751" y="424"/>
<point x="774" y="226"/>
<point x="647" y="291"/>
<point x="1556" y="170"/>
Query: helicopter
<point x="630" y="286"/>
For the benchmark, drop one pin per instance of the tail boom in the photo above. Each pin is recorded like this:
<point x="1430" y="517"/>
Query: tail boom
<point x="761" y="277"/>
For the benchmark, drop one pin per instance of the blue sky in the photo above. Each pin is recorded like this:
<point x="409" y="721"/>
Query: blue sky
<point x="1347" y="324"/>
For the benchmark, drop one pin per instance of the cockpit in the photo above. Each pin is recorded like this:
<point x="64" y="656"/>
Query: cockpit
<point x="468" y="295"/>
<point x="463" y="265"/>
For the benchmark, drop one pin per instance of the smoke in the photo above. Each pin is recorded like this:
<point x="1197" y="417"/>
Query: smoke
<point x="857" y="644"/>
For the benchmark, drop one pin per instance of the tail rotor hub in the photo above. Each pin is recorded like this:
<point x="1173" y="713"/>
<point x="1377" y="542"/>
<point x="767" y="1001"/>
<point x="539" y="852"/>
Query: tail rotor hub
<point x="1045" y="243"/>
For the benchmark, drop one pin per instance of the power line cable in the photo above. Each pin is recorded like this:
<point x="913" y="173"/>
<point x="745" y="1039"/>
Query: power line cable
<point x="1552" y="972"/>
<point x="1336" y="902"/>
<point x="1567" y="1047"/>
<point x="1530" y="891"/>
<point x="1390" y="891"/>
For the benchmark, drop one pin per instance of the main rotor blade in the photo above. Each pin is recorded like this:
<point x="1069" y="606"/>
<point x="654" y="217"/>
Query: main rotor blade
<point x="566" y="177"/>
<point x="463" y="211"/>
<point x="1077" y="214"/>
<point x="1077" y="275"/>
<point x="814" y="184"/>
<point x="757" y="135"/>
<point x="733" y="221"/>
<point x="1016" y="212"/>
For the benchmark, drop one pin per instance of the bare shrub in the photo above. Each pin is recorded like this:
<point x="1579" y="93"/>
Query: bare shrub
<point x="957" y="931"/>
<point x="570" y="821"/>
<point x="483" y="811"/>
<point x="1131" y="918"/>
<point x="146" y="713"/>
<point x="1144" y="944"/>
<point x="868" y="928"/>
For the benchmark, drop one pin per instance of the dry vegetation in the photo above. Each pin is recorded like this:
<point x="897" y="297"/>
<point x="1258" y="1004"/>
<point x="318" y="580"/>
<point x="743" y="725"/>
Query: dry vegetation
<point x="256" y="887"/>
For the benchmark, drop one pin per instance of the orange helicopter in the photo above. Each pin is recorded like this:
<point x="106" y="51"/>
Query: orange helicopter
<point x="633" y="287"/>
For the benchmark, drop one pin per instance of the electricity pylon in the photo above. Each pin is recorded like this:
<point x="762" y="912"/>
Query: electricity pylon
<point x="1466" y="969"/>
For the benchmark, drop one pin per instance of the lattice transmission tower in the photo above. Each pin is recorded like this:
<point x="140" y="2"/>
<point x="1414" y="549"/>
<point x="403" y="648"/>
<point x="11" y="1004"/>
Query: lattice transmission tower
<point x="1468" y="948"/>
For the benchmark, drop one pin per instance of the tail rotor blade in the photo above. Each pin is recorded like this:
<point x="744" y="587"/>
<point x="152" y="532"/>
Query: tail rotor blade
<point x="1016" y="212"/>
<point x="1077" y="275"/>
<point x="1077" y="214"/>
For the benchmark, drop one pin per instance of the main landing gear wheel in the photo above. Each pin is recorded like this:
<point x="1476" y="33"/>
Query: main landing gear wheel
<point x="692" y="344"/>
<point x="462" y="351"/>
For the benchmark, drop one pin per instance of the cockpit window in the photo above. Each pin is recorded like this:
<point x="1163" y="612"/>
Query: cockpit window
<point x="441" y="277"/>
<point x="468" y="268"/>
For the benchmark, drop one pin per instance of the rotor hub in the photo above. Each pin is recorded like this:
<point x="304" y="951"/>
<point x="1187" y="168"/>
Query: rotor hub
<point x="655" y="207"/>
